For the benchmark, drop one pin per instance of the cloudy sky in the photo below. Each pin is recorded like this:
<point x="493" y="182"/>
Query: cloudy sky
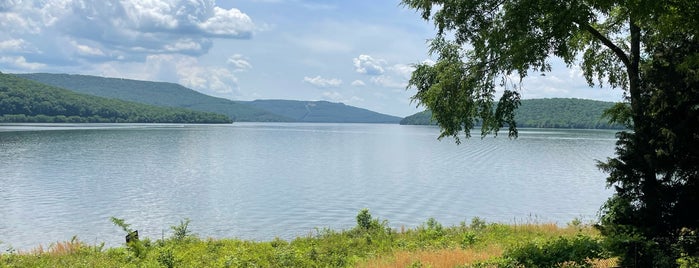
<point x="357" y="52"/>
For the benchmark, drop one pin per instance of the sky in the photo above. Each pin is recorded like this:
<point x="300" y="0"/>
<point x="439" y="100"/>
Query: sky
<point x="358" y="52"/>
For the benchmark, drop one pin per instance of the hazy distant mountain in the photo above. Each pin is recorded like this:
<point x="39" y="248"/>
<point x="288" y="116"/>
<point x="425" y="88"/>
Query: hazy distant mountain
<point x="155" y="93"/>
<point x="174" y="95"/>
<point x="546" y="113"/>
<point x="23" y="100"/>
<point x="322" y="111"/>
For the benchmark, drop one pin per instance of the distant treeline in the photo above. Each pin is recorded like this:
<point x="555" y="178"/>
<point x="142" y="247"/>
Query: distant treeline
<point x="155" y="93"/>
<point x="546" y="113"/>
<point x="22" y="100"/>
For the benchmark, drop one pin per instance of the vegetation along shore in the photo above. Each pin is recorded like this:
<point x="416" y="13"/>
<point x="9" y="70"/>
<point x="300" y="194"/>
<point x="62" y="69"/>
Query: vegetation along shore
<point x="371" y="243"/>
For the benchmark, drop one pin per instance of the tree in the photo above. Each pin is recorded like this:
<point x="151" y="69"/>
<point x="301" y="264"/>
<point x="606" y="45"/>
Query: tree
<point x="647" y="48"/>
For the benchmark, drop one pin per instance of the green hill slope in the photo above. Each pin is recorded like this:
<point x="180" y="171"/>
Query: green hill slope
<point x="322" y="111"/>
<point x="154" y="93"/>
<point x="546" y="113"/>
<point x="23" y="100"/>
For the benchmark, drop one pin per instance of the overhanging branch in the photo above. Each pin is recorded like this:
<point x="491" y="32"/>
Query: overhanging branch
<point x="608" y="43"/>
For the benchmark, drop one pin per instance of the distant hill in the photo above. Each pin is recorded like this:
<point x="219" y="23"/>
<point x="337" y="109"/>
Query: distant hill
<point x="22" y="100"/>
<point x="174" y="95"/>
<point x="322" y="111"/>
<point x="546" y="113"/>
<point x="155" y="93"/>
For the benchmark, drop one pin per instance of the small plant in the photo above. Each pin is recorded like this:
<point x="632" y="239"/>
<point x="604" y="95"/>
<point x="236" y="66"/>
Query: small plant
<point x="576" y="223"/>
<point x="478" y="224"/>
<point x="167" y="258"/>
<point x="121" y="223"/>
<point x="416" y="264"/>
<point x="468" y="239"/>
<point x="364" y="219"/>
<point x="133" y="244"/>
<point x="181" y="231"/>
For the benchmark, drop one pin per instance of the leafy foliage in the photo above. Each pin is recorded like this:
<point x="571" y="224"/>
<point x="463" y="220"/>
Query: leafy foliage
<point x="22" y="100"/>
<point x="651" y="218"/>
<point x="547" y="113"/>
<point x="577" y="251"/>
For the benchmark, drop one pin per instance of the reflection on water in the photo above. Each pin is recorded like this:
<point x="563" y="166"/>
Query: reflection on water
<point x="260" y="181"/>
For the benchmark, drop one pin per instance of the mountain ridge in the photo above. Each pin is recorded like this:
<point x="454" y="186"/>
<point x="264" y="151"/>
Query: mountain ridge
<point x="322" y="111"/>
<point x="23" y="100"/>
<point x="546" y="113"/>
<point x="175" y="95"/>
<point x="154" y="93"/>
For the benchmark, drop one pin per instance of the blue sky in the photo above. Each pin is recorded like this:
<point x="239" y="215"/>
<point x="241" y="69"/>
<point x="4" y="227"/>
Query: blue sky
<point x="357" y="52"/>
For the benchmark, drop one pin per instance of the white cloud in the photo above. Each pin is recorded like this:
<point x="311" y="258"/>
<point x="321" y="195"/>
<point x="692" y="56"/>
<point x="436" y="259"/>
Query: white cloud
<point x="185" y="70"/>
<point x="228" y="23"/>
<point x="13" y="45"/>
<point x="21" y="63"/>
<point x="211" y="80"/>
<point x="394" y="76"/>
<point x="114" y="28"/>
<point x="339" y="97"/>
<point x="358" y="83"/>
<point x="402" y="70"/>
<point x="184" y="45"/>
<point x="239" y="62"/>
<point x="321" y="82"/>
<point x="389" y="81"/>
<point x="332" y="95"/>
<point x="366" y="64"/>
<point x="87" y="50"/>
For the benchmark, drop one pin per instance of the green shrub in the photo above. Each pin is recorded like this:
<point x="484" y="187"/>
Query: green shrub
<point x="577" y="251"/>
<point x="478" y="224"/>
<point x="181" y="231"/>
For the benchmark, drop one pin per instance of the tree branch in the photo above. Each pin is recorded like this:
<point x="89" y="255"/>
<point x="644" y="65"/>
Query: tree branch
<point x="608" y="43"/>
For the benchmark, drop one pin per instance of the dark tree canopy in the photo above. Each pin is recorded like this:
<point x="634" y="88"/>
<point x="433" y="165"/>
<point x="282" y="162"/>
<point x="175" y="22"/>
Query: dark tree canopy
<point x="647" y="48"/>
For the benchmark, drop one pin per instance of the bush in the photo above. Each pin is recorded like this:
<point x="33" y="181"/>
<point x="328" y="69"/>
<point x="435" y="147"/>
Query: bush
<point x="577" y="251"/>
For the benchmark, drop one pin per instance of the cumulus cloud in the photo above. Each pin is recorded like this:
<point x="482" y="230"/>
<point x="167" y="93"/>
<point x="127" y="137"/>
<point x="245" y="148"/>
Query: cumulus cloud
<point x="216" y="81"/>
<point x="383" y="75"/>
<point x="12" y="45"/>
<point x="114" y="28"/>
<point x="87" y="50"/>
<point x="321" y="82"/>
<point x="402" y="70"/>
<point x="228" y="23"/>
<point x="358" y="83"/>
<point x="365" y="64"/>
<point x="339" y="97"/>
<point x="21" y="63"/>
<point x="239" y="63"/>
<point x="182" y="69"/>
<point x="389" y="81"/>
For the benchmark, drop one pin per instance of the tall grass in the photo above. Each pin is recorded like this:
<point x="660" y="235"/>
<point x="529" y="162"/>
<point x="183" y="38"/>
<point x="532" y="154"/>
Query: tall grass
<point x="370" y="244"/>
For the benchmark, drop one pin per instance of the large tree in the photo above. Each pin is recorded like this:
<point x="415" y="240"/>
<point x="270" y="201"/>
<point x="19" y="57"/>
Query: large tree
<point x="647" y="48"/>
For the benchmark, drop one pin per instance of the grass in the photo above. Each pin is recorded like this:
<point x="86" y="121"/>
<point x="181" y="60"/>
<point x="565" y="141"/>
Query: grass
<point x="370" y="244"/>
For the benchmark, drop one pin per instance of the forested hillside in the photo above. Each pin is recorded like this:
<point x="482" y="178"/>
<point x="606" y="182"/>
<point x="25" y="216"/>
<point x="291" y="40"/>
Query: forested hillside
<point x="322" y="111"/>
<point x="155" y="93"/>
<point x="546" y="113"/>
<point x="22" y="100"/>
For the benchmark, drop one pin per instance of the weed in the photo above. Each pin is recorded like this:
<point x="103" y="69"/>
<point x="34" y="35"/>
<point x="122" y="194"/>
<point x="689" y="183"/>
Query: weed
<point x="477" y="224"/>
<point x="181" y="232"/>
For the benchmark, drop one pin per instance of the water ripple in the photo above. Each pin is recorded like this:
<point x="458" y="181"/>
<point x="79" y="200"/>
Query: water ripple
<point x="260" y="181"/>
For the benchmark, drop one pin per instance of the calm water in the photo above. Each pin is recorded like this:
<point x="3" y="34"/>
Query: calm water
<point x="260" y="181"/>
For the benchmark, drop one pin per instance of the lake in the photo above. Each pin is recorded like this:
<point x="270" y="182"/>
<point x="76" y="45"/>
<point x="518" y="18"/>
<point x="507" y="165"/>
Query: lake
<point x="259" y="181"/>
